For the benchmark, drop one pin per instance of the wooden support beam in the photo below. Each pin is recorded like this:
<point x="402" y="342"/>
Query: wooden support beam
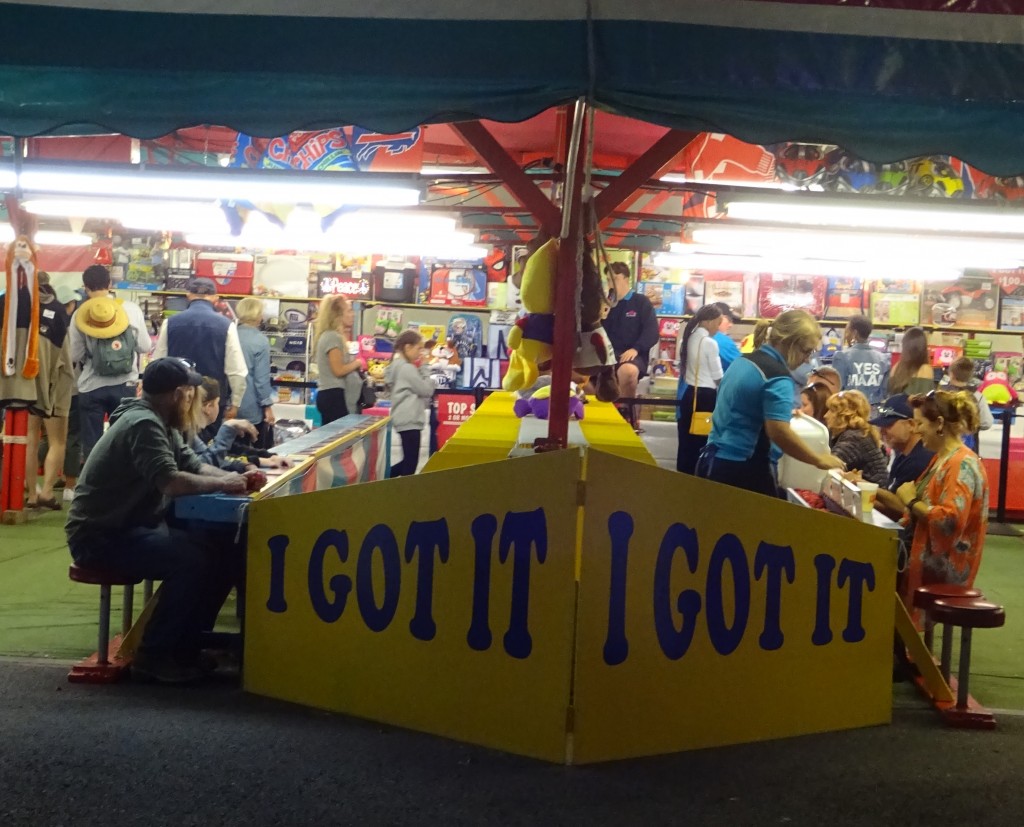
<point x="492" y="153"/>
<point x="647" y="166"/>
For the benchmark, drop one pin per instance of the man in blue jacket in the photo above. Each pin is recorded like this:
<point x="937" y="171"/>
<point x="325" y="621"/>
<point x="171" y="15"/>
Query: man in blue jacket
<point x="632" y="327"/>
<point x="210" y="341"/>
<point x="860" y="366"/>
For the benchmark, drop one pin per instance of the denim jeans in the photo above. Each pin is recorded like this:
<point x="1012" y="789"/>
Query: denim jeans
<point x="197" y="570"/>
<point x="93" y="405"/>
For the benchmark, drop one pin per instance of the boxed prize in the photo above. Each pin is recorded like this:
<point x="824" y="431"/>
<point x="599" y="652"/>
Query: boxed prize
<point x="281" y="275"/>
<point x="395" y="280"/>
<point x="458" y="284"/>
<point x="231" y="272"/>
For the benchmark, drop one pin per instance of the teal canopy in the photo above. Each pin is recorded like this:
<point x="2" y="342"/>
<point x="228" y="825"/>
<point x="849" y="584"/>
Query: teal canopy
<point x="886" y="79"/>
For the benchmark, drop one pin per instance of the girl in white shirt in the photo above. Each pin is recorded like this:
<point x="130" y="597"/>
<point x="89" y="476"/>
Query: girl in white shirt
<point x="701" y="369"/>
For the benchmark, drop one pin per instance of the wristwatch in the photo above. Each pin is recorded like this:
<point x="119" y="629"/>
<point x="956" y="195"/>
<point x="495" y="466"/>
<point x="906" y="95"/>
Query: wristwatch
<point x="912" y="503"/>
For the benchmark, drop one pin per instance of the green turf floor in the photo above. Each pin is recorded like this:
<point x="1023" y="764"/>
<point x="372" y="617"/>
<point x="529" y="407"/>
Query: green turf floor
<point x="43" y="614"/>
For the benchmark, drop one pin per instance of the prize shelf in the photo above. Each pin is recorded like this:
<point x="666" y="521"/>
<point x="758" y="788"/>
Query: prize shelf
<point x="454" y="308"/>
<point x="929" y="328"/>
<point x="313" y="299"/>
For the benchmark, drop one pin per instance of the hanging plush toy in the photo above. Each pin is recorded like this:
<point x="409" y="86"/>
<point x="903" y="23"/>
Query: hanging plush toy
<point x="595" y="356"/>
<point x="529" y="341"/>
<point x="21" y="310"/>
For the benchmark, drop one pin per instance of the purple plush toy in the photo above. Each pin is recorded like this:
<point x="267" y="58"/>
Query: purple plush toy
<point x="539" y="404"/>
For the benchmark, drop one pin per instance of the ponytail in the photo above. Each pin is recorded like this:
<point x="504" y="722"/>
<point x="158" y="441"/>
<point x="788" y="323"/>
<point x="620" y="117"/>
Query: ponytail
<point x="761" y="331"/>
<point x="965" y="406"/>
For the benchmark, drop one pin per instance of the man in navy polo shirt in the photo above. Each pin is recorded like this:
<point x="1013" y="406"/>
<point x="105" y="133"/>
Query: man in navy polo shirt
<point x="632" y="327"/>
<point x="895" y="419"/>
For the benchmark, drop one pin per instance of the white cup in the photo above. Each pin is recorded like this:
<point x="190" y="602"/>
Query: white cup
<point x="868" y="494"/>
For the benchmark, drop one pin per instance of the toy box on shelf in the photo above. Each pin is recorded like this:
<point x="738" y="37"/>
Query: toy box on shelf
<point x="895" y="302"/>
<point x="668" y="343"/>
<point x="970" y="301"/>
<point x="844" y="298"/>
<point x="458" y="283"/>
<point x="672" y="290"/>
<point x="726" y="288"/>
<point x="778" y="293"/>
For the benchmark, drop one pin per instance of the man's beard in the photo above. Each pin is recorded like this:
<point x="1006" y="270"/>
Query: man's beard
<point x="180" y="415"/>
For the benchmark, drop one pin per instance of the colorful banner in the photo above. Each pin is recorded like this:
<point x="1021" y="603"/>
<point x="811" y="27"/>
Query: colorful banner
<point x="735" y="618"/>
<point x="452" y="614"/>
<point x="342" y="149"/>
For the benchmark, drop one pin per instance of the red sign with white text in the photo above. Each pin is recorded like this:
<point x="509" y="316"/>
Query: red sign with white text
<point x="452" y="410"/>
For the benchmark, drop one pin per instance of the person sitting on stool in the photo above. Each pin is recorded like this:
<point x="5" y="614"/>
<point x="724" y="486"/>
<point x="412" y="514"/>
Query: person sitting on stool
<point x="117" y="523"/>
<point x="632" y="327"/>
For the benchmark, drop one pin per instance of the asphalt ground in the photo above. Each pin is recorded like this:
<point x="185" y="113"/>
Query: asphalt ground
<point x="130" y="754"/>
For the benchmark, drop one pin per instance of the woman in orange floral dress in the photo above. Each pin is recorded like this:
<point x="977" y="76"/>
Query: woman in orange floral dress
<point x="948" y="504"/>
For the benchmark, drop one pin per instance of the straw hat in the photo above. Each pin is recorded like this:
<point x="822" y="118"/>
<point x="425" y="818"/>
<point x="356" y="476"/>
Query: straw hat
<point x="102" y="318"/>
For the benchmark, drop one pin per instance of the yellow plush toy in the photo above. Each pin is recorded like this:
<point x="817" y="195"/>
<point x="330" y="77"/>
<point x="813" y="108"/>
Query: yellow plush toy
<point x="529" y="341"/>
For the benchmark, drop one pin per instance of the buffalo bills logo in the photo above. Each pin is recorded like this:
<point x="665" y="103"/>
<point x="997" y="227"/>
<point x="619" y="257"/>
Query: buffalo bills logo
<point x="368" y="144"/>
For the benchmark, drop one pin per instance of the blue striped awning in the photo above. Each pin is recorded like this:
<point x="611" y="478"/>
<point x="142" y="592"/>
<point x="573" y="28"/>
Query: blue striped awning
<point x="886" y="79"/>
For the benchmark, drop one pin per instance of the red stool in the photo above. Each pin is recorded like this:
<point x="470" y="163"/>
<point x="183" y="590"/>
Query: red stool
<point x="105" y="580"/>
<point x="969" y="614"/>
<point x="924" y="598"/>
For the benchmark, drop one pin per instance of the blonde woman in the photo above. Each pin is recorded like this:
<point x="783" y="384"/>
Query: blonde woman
<point x="755" y="404"/>
<point x="339" y="384"/>
<point x="258" y="400"/>
<point x="854" y="440"/>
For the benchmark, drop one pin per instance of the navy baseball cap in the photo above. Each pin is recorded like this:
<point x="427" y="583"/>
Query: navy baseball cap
<point x="892" y="410"/>
<point x="167" y="374"/>
<point x="202" y="287"/>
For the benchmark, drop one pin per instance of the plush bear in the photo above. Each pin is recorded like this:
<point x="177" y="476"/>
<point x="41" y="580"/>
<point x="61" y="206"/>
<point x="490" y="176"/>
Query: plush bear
<point x="529" y="341"/>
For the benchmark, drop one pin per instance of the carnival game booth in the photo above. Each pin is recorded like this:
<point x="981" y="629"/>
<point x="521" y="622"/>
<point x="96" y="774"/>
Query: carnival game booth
<point x="546" y="607"/>
<point x="576" y="606"/>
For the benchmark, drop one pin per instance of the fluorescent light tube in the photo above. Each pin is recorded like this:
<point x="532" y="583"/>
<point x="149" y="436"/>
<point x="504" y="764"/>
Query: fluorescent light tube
<point x="276" y="186"/>
<point x="888" y="213"/>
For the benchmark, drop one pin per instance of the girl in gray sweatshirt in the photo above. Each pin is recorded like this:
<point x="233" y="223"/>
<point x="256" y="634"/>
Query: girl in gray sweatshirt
<point x="411" y="391"/>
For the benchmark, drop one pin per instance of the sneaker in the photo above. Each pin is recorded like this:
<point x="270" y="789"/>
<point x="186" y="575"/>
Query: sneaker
<point x="69" y="494"/>
<point x="163" y="669"/>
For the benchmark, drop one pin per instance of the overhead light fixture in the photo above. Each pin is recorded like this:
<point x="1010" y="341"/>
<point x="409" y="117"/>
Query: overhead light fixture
<point x="793" y="266"/>
<point x="265" y="185"/>
<point x="137" y="214"/>
<point x="852" y="245"/>
<point x="61" y="238"/>
<point x="876" y="212"/>
<point x="679" y="178"/>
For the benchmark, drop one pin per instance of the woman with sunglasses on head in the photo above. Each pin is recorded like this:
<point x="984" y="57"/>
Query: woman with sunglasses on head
<point x="755" y="405"/>
<point x="948" y="504"/>
<point x="701" y="368"/>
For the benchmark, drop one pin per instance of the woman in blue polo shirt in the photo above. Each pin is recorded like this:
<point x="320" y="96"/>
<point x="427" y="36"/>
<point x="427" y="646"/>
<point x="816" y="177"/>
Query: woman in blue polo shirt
<point x="755" y="405"/>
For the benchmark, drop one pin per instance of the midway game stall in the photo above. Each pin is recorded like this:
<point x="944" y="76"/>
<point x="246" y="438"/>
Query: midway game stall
<point x="554" y="611"/>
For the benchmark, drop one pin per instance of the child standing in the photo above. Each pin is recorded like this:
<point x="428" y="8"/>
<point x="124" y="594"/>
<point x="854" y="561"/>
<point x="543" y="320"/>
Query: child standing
<point x="411" y="389"/>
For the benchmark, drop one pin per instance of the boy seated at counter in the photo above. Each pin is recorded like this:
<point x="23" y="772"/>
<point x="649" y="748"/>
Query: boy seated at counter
<point x="117" y="520"/>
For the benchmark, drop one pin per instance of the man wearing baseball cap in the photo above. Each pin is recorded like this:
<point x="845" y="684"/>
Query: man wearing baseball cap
<point x="117" y="521"/>
<point x="209" y="340"/>
<point x="895" y="419"/>
<point x="728" y="352"/>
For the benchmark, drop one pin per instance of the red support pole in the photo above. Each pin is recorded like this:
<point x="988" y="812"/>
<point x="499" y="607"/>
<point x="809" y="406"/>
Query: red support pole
<point x="492" y="153"/>
<point x="647" y="166"/>
<point x="5" y="483"/>
<point x="564" y="345"/>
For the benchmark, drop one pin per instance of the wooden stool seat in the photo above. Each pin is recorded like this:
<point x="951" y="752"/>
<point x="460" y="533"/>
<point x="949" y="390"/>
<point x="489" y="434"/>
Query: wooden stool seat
<point x="98" y="577"/>
<point x="98" y="668"/>
<point x="968" y="612"/>
<point x="925" y="596"/>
